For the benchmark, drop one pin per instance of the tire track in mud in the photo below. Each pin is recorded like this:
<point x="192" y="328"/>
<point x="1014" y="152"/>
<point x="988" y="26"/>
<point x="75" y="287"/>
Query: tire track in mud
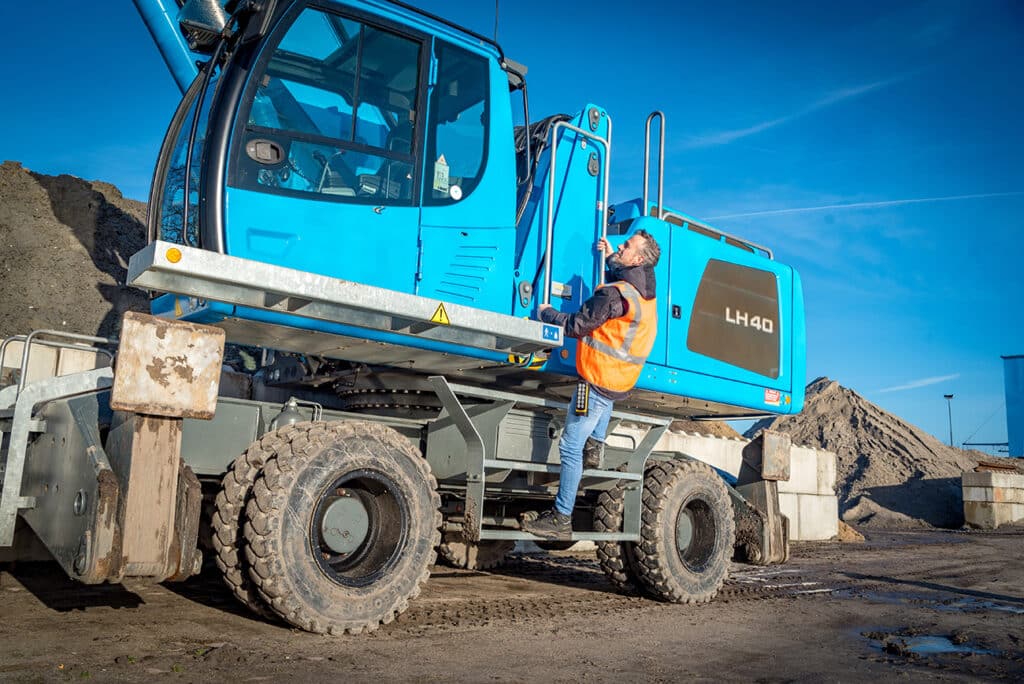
<point x="537" y="588"/>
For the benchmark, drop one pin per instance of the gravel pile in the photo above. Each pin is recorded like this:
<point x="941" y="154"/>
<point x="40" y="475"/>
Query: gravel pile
<point x="64" y="249"/>
<point x="889" y="473"/>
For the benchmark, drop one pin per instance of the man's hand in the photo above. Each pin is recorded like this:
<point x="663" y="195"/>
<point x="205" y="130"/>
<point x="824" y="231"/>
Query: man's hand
<point x="540" y="309"/>
<point x="603" y="246"/>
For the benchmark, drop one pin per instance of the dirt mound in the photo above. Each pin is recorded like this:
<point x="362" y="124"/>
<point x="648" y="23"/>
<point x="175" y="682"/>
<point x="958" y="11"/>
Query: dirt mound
<point x="64" y="249"/>
<point x="705" y="427"/>
<point x="889" y="472"/>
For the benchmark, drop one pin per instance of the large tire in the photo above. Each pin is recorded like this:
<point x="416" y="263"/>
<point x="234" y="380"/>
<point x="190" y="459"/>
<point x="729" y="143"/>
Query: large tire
<point x="687" y="532"/>
<point x="229" y="510"/>
<point x="299" y="574"/>
<point x="617" y="559"/>
<point x="482" y="555"/>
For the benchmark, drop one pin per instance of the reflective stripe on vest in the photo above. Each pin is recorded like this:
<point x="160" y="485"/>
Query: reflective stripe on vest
<point x="613" y="355"/>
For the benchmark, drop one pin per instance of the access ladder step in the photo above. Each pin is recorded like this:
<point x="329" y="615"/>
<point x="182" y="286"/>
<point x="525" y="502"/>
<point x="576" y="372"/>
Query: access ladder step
<point x="575" y="537"/>
<point x="494" y="464"/>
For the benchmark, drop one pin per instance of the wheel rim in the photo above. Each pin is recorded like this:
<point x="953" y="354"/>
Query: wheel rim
<point x="359" y="528"/>
<point x="695" y="534"/>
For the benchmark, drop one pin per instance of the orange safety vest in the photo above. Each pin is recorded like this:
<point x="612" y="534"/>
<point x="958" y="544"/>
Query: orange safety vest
<point x="613" y="355"/>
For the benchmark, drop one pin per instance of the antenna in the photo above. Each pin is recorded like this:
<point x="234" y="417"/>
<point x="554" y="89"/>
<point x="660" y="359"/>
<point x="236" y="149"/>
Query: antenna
<point x="495" y="21"/>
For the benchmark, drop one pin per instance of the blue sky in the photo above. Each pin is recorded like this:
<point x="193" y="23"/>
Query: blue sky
<point x="876" y="147"/>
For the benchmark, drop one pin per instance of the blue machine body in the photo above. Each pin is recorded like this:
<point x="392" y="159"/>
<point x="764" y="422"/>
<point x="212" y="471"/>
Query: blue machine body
<point x="370" y="142"/>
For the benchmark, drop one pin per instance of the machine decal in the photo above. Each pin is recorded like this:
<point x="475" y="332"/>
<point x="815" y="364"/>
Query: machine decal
<point x="441" y="174"/>
<point x="771" y="397"/>
<point x="440" y="316"/>
<point x="553" y="333"/>
<point x="734" y="316"/>
<point x="742" y="318"/>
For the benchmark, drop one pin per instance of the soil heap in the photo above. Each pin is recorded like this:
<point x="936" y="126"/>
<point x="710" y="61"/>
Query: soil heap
<point x="889" y="473"/>
<point x="64" y="249"/>
<point x="714" y="428"/>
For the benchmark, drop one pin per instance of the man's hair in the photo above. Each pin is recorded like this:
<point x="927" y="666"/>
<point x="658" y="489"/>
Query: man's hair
<point x="650" y="251"/>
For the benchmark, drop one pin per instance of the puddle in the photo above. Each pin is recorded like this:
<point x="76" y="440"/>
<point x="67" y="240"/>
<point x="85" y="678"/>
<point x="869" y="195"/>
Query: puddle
<point x="969" y="605"/>
<point x="923" y="645"/>
<point x="958" y="605"/>
<point x="931" y="645"/>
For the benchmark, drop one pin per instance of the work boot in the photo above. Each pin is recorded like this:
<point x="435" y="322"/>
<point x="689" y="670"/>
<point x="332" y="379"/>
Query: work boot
<point x="593" y="453"/>
<point x="549" y="525"/>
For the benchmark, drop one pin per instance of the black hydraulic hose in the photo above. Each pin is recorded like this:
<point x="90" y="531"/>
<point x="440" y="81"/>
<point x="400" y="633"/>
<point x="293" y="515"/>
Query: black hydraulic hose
<point x="207" y="77"/>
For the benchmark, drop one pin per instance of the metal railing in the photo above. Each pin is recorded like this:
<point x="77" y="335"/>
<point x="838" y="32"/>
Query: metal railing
<point x="661" y="160"/>
<point x="606" y="143"/>
<point x="30" y="339"/>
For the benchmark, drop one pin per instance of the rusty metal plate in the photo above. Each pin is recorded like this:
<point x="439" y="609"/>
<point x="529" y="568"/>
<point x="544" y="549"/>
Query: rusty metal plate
<point x="167" y="368"/>
<point x="775" y="456"/>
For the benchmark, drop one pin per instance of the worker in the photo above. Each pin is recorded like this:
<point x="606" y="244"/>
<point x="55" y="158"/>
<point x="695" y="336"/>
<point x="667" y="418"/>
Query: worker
<point x="615" y="329"/>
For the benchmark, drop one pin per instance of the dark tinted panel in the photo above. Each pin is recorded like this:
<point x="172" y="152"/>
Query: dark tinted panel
<point x="735" y="318"/>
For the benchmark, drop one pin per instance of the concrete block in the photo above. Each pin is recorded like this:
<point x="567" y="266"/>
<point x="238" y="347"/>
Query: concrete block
<point x="789" y="506"/>
<point x="78" y="360"/>
<point x="826" y="472"/>
<point x="721" y="453"/>
<point x="994" y="494"/>
<point x="992" y="499"/>
<point x="987" y="478"/>
<point x="988" y="516"/>
<point x="47" y="362"/>
<point x="803" y="472"/>
<point x="819" y="517"/>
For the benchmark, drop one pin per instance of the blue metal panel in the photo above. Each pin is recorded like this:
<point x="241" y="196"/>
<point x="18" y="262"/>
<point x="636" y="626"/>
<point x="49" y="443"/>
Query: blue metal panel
<point x="1013" y="373"/>
<point x="574" y="260"/>
<point x="349" y="241"/>
<point x="161" y="18"/>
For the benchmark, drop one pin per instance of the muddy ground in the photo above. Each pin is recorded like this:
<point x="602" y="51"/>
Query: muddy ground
<point x="919" y="605"/>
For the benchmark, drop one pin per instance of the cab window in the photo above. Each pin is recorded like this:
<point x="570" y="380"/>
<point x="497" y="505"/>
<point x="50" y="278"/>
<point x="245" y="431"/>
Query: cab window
<point x="457" y="132"/>
<point x="334" y="113"/>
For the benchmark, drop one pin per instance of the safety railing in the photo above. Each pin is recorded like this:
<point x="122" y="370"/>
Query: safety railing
<point x="661" y="160"/>
<point x="31" y="339"/>
<point x="602" y="207"/>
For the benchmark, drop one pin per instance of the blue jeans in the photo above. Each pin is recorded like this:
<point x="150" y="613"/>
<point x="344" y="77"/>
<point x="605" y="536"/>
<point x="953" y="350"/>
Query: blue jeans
<point x="570" y="446"/>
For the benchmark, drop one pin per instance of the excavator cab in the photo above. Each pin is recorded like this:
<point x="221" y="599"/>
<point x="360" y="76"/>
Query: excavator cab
<point x="372" y="143"/>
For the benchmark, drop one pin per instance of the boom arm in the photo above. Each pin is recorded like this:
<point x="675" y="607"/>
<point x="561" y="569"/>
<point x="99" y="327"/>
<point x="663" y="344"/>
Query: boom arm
<point x="160" y="17"/>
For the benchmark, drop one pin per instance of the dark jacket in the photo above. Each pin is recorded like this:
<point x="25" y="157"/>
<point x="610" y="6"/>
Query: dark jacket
<point x="607" y="303"/>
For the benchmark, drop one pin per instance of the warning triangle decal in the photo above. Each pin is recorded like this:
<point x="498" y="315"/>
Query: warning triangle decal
<point x="440" y="316"/>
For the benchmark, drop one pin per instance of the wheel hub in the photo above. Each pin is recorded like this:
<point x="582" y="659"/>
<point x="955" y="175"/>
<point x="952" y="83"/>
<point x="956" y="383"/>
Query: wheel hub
<point x="684" y="531"/>
<point x="345" y="523"/>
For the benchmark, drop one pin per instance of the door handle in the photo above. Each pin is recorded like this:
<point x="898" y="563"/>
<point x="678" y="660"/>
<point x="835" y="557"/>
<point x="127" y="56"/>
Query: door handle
<point x="263" y="151"/>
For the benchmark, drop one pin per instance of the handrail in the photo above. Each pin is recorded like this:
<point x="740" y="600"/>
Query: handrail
<point x="602" y="206"/>
<point x="721" y="233"/>
<point x="27" y="341"/>
<point x="661" y="160"/>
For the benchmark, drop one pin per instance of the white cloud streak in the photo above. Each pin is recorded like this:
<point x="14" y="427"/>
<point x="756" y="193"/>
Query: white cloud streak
<point x="867" y="205"/>
<point x="726" y="137"/>
<point x="923" y="382"/>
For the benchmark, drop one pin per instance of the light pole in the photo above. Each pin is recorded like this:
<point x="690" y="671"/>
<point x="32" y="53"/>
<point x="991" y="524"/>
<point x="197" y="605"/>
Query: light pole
<point x="949" y="405"/>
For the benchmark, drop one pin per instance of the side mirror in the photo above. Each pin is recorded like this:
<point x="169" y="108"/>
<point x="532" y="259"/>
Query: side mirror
<point x="202" y="22"/>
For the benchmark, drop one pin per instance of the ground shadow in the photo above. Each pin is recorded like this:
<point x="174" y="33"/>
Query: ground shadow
<point x="110" y="236"/>
<point x="937" y="501"/>
<point x="555" y="568"/>
<point x="208" y="589"/>
<point x="47" y="581"/>
<point x="936" y="587"/>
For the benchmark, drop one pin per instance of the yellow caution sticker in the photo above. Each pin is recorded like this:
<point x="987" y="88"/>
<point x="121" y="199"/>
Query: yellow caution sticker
<point x="440" y="316"/>
<point x="177" y="308"/>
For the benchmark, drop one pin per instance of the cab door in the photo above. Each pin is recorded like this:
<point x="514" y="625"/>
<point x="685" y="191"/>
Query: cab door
<point x="324" y="150"/>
